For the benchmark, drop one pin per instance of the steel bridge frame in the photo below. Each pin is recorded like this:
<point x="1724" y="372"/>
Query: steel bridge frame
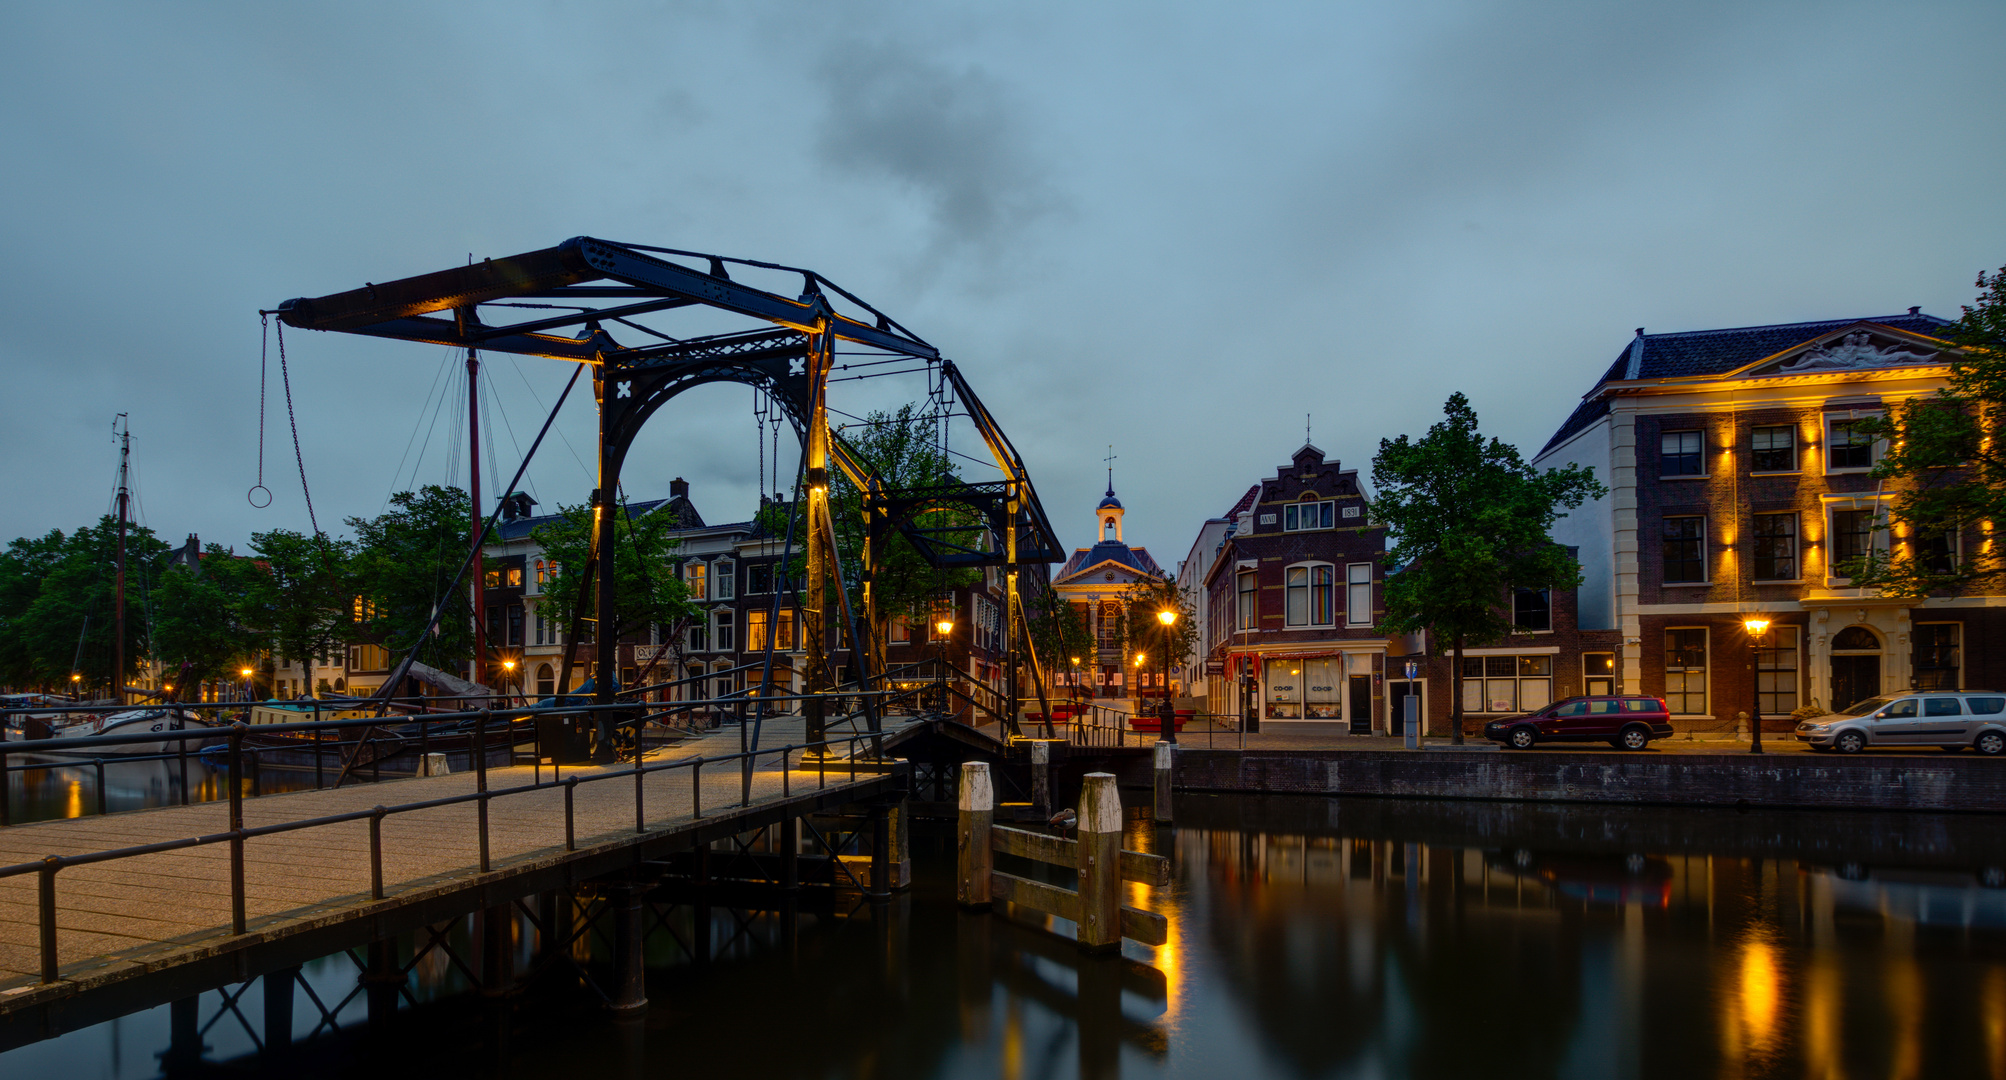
<point x="791" y="362"/>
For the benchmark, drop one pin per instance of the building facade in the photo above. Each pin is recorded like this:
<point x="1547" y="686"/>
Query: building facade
<point x="1738" y="484"/>
<point x="1099" y="582"/>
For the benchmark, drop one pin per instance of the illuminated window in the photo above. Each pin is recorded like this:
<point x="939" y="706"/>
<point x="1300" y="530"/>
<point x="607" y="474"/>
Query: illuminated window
<point x="696" y="576"/>
<point x="1504" y="684"/>
<point x="1598" y="673"/>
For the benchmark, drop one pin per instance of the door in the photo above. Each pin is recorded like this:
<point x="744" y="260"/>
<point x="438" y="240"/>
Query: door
<point x="1854" y="679"/>
<point x="1359" y="707"/>
<point x="1898" y="723"/>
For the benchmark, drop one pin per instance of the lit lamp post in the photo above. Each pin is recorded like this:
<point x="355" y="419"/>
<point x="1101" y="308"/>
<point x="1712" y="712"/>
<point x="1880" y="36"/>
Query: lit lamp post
<point x="508" y="679"/>
<point x="76" y="684"/>
<point x="1167" y="716"/>
<point x="246" y="674"/>
<point x="942" y="628"/>
<point x="1756" y="626"/>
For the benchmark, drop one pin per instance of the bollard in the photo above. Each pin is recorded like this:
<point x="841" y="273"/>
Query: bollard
<point x="627" y="998"/>
<point x="1041" y="778"/>
<point x="1165" y="769"/>
<point x="1099" y="852"/>
<point x="974" y="859"/>
<point x="434" y="764"/>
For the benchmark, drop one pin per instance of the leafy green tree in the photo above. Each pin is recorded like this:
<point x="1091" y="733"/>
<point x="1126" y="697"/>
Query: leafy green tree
<point x="1947" y="463"/>
<point x="303" y="599"/>
<point x="646" y="587"/>
<point x="404" y="563"/>
<point x="1058" y="630"/>
<point x="200" y="628"/>
<point x="1470" y="520"/>
<point x="899" y="448"/>
<point x="57" y="599"/>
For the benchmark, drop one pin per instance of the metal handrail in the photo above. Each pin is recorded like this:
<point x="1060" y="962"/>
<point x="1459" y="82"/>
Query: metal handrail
<point x="237" y="834"/>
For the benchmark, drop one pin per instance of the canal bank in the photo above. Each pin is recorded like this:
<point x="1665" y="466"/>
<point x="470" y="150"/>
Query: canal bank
<point x="1928" y="781"/>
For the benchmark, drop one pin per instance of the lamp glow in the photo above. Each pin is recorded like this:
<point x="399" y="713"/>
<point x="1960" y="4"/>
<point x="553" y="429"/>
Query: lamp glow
<point x="1755" y="624"/>
<point x="1167" y="617"/>
<point x="945" y="626"/>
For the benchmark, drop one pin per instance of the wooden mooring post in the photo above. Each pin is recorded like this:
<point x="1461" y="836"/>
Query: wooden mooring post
<point x="1166" y="765"/>
<point x="1095" y="907"/>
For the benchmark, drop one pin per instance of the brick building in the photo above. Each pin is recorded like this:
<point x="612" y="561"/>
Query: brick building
<point x="1737" y="483"/>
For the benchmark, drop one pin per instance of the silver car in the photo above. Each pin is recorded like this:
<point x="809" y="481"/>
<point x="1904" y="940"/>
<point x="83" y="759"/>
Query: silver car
<point x="1952" y="720"/>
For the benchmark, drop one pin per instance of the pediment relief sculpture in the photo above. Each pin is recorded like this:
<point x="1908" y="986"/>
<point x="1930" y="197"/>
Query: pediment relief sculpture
<point x="1855" y="350"/>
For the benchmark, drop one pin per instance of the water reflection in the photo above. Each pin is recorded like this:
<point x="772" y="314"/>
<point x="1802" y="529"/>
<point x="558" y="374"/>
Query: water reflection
<point x="39" y="789"/>
<point x="1309" y="939"/>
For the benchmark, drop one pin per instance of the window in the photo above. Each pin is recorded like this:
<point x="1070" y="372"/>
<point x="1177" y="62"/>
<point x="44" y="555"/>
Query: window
<point x="1936" y="550"/>
<point x="755" y="631"/>
<point x="1323" y="682"/>
<point x="1304" y="516"/>
<point x="515" y="623"/>
<point x="1503" y="684"/>
<point x="1598" y="673"/>
<point x="727" y="579"/>
<point x="1685" y="550"/>
<point x="1310" y="593"/>
<point x="1285" y="690"/>
<point x="368" y="658"/>
<point x="1531" y="609"/>
<point x="1358" y="594"/>
<point x="759" y="578"/>
<point x="494" y="579"/>
<point x="698" y="639"/>
<point x="1934" y="662"/>
<point x="1679" y="454"/>
<point x="1848" y="447"/>
<point x="1775" y="547"/>
<point x="1852" y="535"/>
<point x="721" y="627"/>
<point x="899" y="632"/>
<point x="513" y="577"/>
<point x="1250" y="600"/>
<point x="1107" y="628"/>
<point x="1685" y="671"/>
<point x="696" y="576"/>
<point x="1773" y="449"/>
<point x="540" y="633"/>
<point x="1776" y="671"/>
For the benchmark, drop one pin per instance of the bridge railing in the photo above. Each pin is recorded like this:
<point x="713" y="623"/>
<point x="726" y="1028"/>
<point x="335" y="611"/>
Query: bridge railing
<point x="238" y="834"/>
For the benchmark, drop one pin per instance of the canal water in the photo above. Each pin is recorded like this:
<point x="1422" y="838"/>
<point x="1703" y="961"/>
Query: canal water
<point x="1310" y="938"/>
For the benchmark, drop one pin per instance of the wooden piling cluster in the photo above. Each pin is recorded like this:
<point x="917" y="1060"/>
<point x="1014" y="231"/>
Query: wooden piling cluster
<point x="1095" y="907"/>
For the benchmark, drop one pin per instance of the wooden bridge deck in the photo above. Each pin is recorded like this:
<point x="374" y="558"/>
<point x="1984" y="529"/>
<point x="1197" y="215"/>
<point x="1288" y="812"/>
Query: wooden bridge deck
<point x="127" y="918"/>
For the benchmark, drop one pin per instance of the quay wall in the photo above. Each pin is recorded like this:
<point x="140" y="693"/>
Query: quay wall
<point x="1798" y="781"/>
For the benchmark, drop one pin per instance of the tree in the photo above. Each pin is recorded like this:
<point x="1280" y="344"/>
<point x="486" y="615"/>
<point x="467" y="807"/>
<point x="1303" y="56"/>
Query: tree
<point x="304" y="598"/>
<point x="1941" y="449"/>
<point x="200" y="632"/>
<point x="405" y="560"/>
<point x="1470" y="520"/>
<point x="1141" y="627"/>
<point x="900" y="450"/>
<point x="57" y="600"/>
<point x="1058" y="631"/>
<point x="646" y="587"/>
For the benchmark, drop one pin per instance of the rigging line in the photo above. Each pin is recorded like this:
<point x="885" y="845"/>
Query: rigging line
<point x="285" y="380"/>
<point x="415" y="425"/>
<point x="590" y="475"/>
<point x="494" y="395"/>
<point x="875" y="375"/>
<point x="438" y="409"/>
<point x="396" y="676"/>
<point x="648" y="330"/>
<point x="488" y="406"/>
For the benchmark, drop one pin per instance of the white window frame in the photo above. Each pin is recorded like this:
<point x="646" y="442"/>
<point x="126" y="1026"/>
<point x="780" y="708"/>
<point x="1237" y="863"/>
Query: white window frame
<point x="1247" y="601"/>
<point x="722" y="626"/>
<point x="1357" y="581"/>
<point x="1874" y="449"/>
<point x="696" y="578"/>
<point x="1319" y="509"/>
<point x="724" y="579"/>
<point x="1796" y="447"/>
<point x="1309" y="595"/>
<point x="1697" y="433"/>
<point x="1706" y="669"/>
<point x="697" y="636"/>
<point x="1877" y="537"/>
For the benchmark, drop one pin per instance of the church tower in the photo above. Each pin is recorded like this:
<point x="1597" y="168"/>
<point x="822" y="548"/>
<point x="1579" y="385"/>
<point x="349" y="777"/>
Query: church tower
<point x="1109" y="512"/>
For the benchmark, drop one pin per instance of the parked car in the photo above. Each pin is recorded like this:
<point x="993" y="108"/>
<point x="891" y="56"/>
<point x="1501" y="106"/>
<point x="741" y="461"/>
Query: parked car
<point x="1951" y="719"/>
<point x="1624" y="721"/>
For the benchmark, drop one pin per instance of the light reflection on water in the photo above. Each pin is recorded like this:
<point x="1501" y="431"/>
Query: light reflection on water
<point x="1309" y="938"/>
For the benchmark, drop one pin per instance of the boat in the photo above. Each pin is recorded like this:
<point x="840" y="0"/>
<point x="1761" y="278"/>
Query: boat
<point x="127" y="723"/>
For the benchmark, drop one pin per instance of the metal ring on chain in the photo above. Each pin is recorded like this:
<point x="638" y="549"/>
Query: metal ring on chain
<point x="251" y="496"/>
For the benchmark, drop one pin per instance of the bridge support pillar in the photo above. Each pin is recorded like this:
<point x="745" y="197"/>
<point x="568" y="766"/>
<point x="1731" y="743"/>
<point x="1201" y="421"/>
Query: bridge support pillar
<point x="279" y="1010"/>
<point x="879" y="886"/>
<point x="554" y="912"/>
<point x="184" y="1039"/>
<point x="628" y="995"/>
<point x="497" y="950"/>
<point x="382" y="980"/>
<point x="790" y="855"/>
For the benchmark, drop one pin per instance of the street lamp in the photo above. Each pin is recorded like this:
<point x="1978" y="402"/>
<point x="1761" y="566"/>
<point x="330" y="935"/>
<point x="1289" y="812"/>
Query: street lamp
<point x="1756" y="625"/>
<point x="508" y="677"/>
<point x="246" y="674"/>
<point x="942" y="627"/>
<point x="1166" y="728"/>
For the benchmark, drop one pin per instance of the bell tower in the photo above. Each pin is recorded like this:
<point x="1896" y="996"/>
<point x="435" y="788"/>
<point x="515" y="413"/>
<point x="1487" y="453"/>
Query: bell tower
<point x="1108" y="514"/>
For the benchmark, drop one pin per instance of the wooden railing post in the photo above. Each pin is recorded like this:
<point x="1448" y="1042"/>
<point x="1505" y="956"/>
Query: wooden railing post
<point x="1166" y="763"/>
<point x="1099" y="854"/>
<point x="974" y="859"/>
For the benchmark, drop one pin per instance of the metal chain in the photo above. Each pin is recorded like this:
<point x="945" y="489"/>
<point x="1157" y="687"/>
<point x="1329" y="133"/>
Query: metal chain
<point x="285" y="379"/>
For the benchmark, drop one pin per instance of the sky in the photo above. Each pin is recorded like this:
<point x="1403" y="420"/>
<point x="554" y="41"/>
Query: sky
<point x="1183" y="230"/>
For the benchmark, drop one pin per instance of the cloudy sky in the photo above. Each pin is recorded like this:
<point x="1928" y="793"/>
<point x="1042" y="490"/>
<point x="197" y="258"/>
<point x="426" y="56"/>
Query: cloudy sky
<point x="1176" y="228"/>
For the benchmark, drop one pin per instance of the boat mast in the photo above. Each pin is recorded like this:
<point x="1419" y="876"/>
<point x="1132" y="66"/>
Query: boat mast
<point x="480" y="583"/>
<point x="118" y="599"/>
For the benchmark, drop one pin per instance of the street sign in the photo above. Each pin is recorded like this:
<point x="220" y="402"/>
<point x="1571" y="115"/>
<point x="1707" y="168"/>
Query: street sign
<point x="1215" y="666"/>
<point x="1413" y="669"/>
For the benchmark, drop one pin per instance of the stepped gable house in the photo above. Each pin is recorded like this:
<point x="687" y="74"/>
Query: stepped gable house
<point x="1738" y="481"/>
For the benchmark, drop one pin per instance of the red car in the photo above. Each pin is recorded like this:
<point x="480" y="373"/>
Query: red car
<point x="1625" y="722"/>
